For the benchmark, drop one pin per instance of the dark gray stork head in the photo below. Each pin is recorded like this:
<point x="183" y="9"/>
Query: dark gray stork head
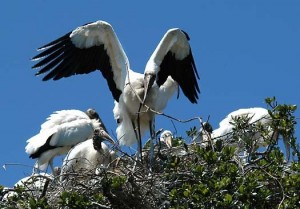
<point x="101" y="135"/>
<point x="94" y="115"/>
<point x="207" y="127"/>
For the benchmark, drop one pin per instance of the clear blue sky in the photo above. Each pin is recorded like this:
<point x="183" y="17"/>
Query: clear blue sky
<point x="245" y="51"/>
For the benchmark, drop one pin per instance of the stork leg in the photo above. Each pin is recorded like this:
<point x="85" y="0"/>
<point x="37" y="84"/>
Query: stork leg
<point x="35" y="168"/>
<point x="139" y="135"/>
<point x="52" y="167"/>
<point x="152" y="136"/>
<point x="139" y="141"/>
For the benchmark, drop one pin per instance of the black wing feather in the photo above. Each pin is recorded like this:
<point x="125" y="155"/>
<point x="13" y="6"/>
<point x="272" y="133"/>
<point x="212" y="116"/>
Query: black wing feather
<point x="43" y="148"/>
<point x="184" y="72"/>
<point x="48" y="58"/>
<point x="61" y="58"/>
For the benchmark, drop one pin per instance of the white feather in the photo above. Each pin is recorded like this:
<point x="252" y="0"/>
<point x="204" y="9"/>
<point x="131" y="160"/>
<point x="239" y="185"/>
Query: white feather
<point x="167" y="137"/>
<point x="33" y="185"/>
<point x="45" y="158"/>
<point x="101" y="32"/>
<point x="63" y="129"/>
<point x="256" y="115"/>
<point x="84" y="157"/>
<point x="171" y="64"/>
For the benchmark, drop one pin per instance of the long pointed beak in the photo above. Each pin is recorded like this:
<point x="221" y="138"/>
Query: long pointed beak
<point x="169" y="140"/>
<point x="106" y="136"/>
<point x="148" y="82"/>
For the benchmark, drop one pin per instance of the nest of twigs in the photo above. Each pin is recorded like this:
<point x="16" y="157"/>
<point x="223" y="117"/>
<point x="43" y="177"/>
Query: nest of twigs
<point x="128" y="183"/>
<point x="125" y="183"/>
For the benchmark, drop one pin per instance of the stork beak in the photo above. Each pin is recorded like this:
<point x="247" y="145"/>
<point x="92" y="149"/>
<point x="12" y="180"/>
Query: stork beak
<point x="169" y="140"/>
<point x="107" y="137"/>
<point x="148" y="82"/>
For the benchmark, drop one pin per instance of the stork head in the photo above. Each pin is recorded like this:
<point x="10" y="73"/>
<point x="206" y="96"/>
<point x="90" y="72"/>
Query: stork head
<point x="204" y="133"/>
<point x="167" y="138"/>
<point x="149" y="78"/>
<point x="206" y="127"/>
<point x="92" y="114"/>
<point x="99" y="136"/>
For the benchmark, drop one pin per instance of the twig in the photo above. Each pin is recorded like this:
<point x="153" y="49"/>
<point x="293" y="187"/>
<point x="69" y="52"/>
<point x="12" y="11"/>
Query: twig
<point x="12" y="164"/>
<point x="100" y="205"/>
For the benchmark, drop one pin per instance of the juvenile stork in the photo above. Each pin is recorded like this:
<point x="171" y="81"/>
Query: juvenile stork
<point x="62" y="130"/>
<point x="88" y="155"/>
<point x="96" y="47"/>
<point x="166" y="137"/>
<point x="35" y="185"/>
<point x="255" y="117"/>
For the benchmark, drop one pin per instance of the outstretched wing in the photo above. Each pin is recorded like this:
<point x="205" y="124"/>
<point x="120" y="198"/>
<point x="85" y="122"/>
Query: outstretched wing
<point x="173" y="57"/>
<point x="90" y="47"/>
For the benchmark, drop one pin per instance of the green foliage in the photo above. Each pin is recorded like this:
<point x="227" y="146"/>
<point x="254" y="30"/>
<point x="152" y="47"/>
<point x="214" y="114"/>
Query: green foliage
<point x="74" y="200"/>
<point x="22" y="199"/>
<point x="190" y="176"/>
<point x="117" y="182"/>
<point x="192" y="132"/>
<point x="285" y="120"/>
<point x="178" y="141"/>
<point x="219" y="180"/>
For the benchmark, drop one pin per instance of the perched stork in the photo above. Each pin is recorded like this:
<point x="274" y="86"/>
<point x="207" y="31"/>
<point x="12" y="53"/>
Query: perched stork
<point x="62" y="130"/>
<point x="167" y="138"/>
<point x="95" y="47"/>
<point x="35" y="185"/>
<point x="255" y="116"/>
<point x="88" y="155"/>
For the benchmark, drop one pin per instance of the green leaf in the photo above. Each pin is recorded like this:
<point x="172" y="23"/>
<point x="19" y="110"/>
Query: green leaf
<point x="228" y="198"/>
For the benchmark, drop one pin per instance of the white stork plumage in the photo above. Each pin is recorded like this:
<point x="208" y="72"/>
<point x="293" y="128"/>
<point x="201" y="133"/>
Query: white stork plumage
<point x="167" y="138"/>
<point x="95" y="46"/>
<point x="256" y="115"/>
<point x="62" y="130"/>
<point x="34" y="185"/>
<point x="88" y="155"/>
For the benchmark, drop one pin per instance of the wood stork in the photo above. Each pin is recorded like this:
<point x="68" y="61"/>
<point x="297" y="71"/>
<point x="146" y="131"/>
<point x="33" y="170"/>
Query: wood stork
<point x="62" y="130"/>
<point x="95" y="46"/>
<point x="166" y="137"/>
<point x="88" y="155"/>
<point x="168" y="142"/>
<point x="35" y="184"/>
<point x="256" y="116"/>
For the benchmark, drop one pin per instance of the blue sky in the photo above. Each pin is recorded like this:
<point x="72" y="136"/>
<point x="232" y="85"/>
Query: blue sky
<point x="245" y="51"/>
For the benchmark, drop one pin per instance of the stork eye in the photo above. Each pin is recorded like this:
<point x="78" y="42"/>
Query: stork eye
<point x="118" y="120"/>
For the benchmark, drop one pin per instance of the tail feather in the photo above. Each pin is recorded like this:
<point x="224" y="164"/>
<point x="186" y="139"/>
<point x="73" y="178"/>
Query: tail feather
<point x="37" y="141"/>
<point x="44" y="159"/>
